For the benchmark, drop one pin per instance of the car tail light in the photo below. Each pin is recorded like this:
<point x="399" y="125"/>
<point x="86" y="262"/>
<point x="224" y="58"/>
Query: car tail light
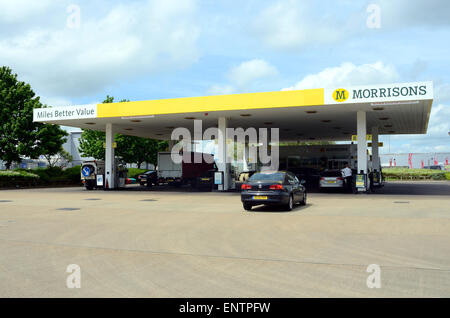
<point x="322" y="179"/>
<point x="276" y="187"/>
<point x="246" y="187"/>
<point x="339" y="178"/>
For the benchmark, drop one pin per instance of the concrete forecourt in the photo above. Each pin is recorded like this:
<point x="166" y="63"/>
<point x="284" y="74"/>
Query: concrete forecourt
<point x="183" y="243"/>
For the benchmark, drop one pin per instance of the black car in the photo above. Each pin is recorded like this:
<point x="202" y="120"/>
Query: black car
<point x="148" y="178"/>
<point x="310" y="175"/>
<point x="273" y="188"/>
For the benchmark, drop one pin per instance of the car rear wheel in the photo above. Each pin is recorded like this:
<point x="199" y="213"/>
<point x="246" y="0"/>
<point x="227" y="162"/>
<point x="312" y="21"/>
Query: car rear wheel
<point x="290" y="204"/>
<point x="247" y="206"/>
<point x="303" y="201"/>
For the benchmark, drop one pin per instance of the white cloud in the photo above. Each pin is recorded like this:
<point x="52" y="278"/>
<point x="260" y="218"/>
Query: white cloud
<point x="442" y="93"/>
<point x="21" y="10"/>
<point x="290" y="24"/>
<point x="439" y="124"/>
<point x="401" y="13"/>
<point x="220" y="90"/>
<point x="348" y="74"/>
<point x="130" y="40"/>
<point x="249" y="71"/>
<point x="244" y="76"/>
<point x="55" y="101"/>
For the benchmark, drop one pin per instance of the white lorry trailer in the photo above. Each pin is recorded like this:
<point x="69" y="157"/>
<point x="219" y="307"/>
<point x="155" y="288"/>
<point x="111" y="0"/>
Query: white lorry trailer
<point x="199" y="175"/>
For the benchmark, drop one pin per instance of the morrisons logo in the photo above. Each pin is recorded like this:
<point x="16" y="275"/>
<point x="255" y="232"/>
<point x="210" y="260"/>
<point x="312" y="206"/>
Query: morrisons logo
<point x="340" y="95"/>
<point x="388" y="92"/>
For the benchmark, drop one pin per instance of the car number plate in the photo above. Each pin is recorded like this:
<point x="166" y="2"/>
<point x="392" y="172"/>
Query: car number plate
<point x="331" y="181"/>
<point x="205" y="179"/>
<point x="259" y="197"/>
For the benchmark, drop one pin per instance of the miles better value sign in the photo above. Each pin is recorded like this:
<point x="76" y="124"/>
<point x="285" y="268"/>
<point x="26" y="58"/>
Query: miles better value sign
<point x="380" y="93"/>
<point x="65" y="113"/>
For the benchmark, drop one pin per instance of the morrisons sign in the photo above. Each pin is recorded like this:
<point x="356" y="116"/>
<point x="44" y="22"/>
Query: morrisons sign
<point x="411" y="91"/>
<point x="380" y="93"/>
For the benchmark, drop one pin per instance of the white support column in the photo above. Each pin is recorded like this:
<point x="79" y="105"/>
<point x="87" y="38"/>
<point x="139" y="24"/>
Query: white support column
<point x="362" y="141"/>
<point x="109" y="158"/>
<point x="245" y="159"/>
<point x="222" y="153"/>
<point x="375" y="150"/>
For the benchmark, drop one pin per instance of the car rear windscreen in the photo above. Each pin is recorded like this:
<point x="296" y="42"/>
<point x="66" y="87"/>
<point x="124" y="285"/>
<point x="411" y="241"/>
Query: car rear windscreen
<point x="332" y="174"/>
<point x="275" y="176"/>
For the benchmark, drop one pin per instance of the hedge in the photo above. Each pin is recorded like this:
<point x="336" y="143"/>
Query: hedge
<point x="18" y="179"/>
<point x="51" y="176"/>
<point x="414" y="174"/>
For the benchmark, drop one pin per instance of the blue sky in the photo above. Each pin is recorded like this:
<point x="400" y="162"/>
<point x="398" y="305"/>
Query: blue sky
<point x="153" y="49"/>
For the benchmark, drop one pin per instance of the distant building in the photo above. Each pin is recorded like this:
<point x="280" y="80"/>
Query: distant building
<point x="71" y="146"/>
<point x="414" y="160"/>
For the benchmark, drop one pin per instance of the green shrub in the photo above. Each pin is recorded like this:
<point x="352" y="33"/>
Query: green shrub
<point x="53" y="172"/>
<point x="53" y="175"/>
<point x="44" y="178"/>
<point x="438" y="176"/>
<point x="72" y="174"/>
<point x="10" y="179"/>
<point x="134" y="172"/>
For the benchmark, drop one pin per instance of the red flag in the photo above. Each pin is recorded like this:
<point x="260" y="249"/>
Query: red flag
<point x="395" y="163"/>
<point x="410" y="160"/>
<point x="446" y="161"/>
<point x="435" y="161"/>
<point x="422" y="164"/>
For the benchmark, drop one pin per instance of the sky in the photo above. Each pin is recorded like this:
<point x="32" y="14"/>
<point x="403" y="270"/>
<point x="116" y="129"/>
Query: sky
<point x="77" y="52"/>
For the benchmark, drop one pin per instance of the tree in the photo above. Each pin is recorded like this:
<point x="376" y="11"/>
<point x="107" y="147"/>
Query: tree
<point x="138" y="150"/>
<point x="19" y="135"/>
<point x="131" y="149"/>
<point x="62" y="157"/>
<point x="49" y="141"/>
<point x="91" y="144"/>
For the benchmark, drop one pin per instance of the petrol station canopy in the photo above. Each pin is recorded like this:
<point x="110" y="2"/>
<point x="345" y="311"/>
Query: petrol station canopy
<point x="301" y="115"/>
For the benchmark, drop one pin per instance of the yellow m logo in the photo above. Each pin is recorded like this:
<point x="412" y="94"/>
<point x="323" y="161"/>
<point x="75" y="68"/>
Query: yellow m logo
<point x="340" y="95"/>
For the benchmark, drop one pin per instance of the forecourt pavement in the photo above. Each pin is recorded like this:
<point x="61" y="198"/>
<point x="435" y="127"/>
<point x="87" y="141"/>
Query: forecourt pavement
<point x="192" y="244"/>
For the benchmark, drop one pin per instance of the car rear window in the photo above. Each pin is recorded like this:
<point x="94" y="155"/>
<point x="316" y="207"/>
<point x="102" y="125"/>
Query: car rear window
<point x="332" y="174"/>
<point x="274" y="176"/>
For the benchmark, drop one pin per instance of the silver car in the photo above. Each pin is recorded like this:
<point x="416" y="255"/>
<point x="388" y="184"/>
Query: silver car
<point x="331" y="179"/>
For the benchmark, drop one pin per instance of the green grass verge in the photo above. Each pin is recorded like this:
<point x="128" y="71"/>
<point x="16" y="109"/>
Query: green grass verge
<point x="414" y="174"/>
